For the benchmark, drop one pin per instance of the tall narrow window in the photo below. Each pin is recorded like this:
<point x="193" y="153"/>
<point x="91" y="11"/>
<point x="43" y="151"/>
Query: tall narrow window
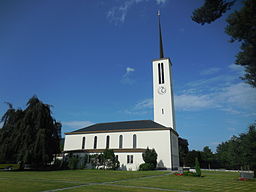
<point x="83" y="143"/>
<point x="159" y="73"/>
<point x="134" y="141"/>
<point x="107" y="142"/>
<point x="95" y="142"/>
<point x="121" y="141"/>
<point x="162" y="111"/>
<point x="128" y="158"/>
<point x="162" y="70"/>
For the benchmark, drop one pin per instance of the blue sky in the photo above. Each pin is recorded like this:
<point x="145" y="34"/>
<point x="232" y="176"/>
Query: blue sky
<point x="91" y="60"/>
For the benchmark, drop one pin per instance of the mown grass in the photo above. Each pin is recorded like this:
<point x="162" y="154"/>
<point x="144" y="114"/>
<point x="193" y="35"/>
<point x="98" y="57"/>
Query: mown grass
<point x="211" y="181"/>
<point x="35" y="181"/>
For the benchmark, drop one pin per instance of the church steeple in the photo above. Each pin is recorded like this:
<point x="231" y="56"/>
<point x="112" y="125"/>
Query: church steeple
<point x="164" y="113"/>
<point x="160" y="37"/>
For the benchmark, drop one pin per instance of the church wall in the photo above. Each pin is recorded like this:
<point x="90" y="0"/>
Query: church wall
<point x="175" y="151"/>
<point x="163" y="100"/>
<point x="159" y="140"/>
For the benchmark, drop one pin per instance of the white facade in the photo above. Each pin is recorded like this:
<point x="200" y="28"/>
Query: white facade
<point x="161" y="136"/>
<point x="163" y="93"/>
<point x="163" y="141"/>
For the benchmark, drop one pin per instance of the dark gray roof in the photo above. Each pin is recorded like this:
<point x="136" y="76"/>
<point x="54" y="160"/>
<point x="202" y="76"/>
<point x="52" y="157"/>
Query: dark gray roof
<point x="123" y="125"/>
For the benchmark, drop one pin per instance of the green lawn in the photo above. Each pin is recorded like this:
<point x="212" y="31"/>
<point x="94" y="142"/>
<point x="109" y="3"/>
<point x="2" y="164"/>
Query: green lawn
<point x="32" y="181"/>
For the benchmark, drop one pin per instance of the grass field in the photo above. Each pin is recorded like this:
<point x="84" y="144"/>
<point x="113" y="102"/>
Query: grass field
<point x="127" y="181"/>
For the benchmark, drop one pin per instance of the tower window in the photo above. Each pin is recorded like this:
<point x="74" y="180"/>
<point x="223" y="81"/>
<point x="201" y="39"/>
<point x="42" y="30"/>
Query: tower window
<point x="95" y="142"/>
<point x="83" y="143"/>
<point x="121" y="141"/>
<point x="162" y="111"/>
<point x="107" y="142"/>
<point x="161" y="73"/>
<point x="134" y="141"/>
<point x="162" y="70"/>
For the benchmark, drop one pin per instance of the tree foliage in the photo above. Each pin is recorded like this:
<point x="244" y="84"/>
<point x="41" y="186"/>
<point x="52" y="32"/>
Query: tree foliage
<point x="183" y="150"/>
<point x="239" y="152"/>
<point x="110" y="161"/>
<point x="150" y="158"/>
<point x="197" y="167"/>
<point x="30" y="136"/>
<point x="241" y="27"/>
<point x="210" y="11"/>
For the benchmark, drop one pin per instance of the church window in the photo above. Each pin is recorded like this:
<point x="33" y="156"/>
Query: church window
<point x="161" y="73"/>
<point x="95" y="142"/>
<point x="162" y="70"/>
<point x="134" y="141"/>
<point x="162" y="111"/>
<point x="129" y="158"/>
<point x="107" y="142"/>
<point x="121" y="141"/>
<point x="83" y="143"/>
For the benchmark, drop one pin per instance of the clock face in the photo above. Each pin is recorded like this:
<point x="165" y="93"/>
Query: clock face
<point x="161" y="90"/>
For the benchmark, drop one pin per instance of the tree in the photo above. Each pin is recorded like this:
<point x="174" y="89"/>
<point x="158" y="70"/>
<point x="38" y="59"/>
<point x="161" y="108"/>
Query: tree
<point x="197" y="167"/>
<point x="207" y="156"/>
<point x="10" y="134"/>
<point x="183" y="150"/>
<point x="150" y="158"/>
<point x="240" y="151"/>
<point x="30" y="136"/>
<point x="241" y="27"/>
<point x="191" y="156"/>
<point x="211" y="10"/>
<point x="110" y="161"/>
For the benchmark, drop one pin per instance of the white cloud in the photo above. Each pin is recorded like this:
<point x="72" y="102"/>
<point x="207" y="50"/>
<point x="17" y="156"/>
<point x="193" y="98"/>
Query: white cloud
<point x="141" y="108"/>
<point x="161" y="1"/>
<point x="186" y="102"/>
<point x="234" y="98"/>
<point x="232" y="129"/>
<point x="76" y="124"/>
<point x="118" y="13"/>
<point x="236" y="68"/>
<point x="210" y="71"/>
<point x="129" y="69"/>
<point x="145" y="104"/>
<point x="126" y="79"/>
<point x="1" y="125"/>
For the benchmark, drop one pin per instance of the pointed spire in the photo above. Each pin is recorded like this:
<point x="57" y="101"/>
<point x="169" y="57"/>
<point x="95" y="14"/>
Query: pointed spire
<point x="160" y="37"/>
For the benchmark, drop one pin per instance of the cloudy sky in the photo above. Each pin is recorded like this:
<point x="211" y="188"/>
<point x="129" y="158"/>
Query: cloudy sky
<point x="91" y="60"/>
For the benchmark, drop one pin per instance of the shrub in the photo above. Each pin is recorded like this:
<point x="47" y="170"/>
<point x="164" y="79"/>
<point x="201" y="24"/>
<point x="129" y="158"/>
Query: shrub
<point x="197" y="167"/>
<point x="150" y="157"/>
<point x="73" y="162"/>
<point x="110" y="161"/>
<point x="146" y="167"/>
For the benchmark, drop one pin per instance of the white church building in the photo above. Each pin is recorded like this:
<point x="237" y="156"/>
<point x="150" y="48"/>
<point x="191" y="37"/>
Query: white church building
<point x="129" y="139"/>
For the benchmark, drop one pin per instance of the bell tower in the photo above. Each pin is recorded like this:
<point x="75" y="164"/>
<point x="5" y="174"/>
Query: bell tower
<point x="164" y="113"/>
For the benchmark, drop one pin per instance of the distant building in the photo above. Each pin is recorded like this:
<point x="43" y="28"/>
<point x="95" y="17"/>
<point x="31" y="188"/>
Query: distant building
<point x="129" y="139"/>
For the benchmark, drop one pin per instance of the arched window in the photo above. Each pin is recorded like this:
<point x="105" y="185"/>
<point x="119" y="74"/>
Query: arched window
<point x="95" y="142"/>
<point x="134" y="141"/>
<point x="83" y="143"/>
<point x="120" y="141"/>
<point x="107" y="142"/>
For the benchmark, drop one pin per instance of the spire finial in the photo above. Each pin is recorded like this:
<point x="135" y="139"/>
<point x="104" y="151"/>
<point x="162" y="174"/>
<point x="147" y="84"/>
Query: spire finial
<point x="160" y="36"/>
